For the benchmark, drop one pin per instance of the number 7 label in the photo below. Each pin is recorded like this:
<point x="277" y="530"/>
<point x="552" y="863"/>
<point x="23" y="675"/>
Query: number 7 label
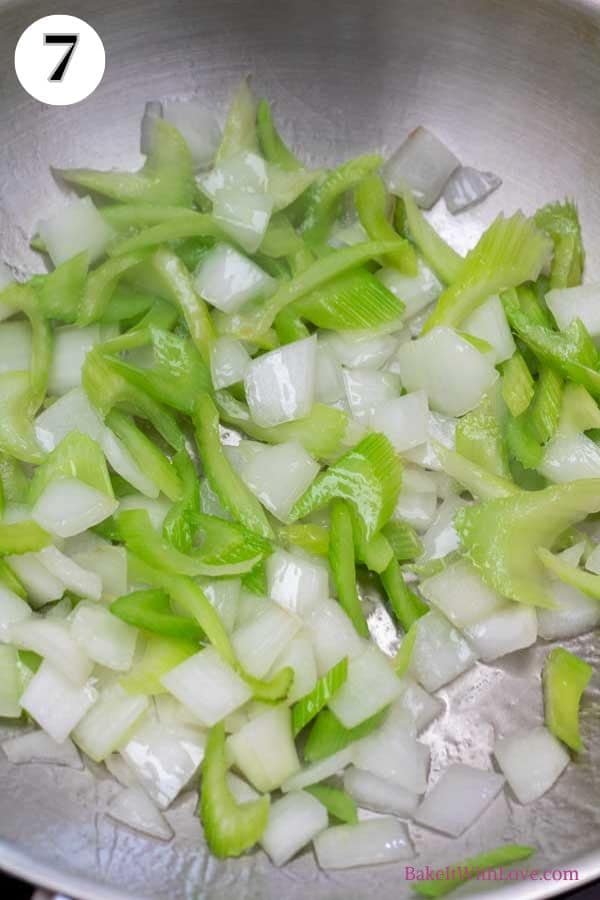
<point x="71" y="39"/>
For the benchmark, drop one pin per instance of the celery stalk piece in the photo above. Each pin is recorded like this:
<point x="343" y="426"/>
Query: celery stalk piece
<point x="370" y="199"/>
<point x="180" y="524"/>
<point x="481" y="483"/>
<point x="239" y="132"/>
<point x="77" y="456"/>
<point x="404" y="540"/>
<point x="586" y="582"/>
<point x="458" y="873"/>
<point x="160" y="654"/>
<point x="369" y="476"/>
<point x="376" y="554"/>
<point x="272" y="146"/>
<point x="479" y="439"/>
<point x="124" y="217"/>
<point x="307" y="707"/>
<point x="565" y="678"/>
<point x="17" y="436"/>
<point x="166" y="178"/>
<point x="521" y="442"/>
<point x="502" y="537"/>
<point x="544" y="413"/>
<point x="150" y="610"/>
<point x="328" y="735"/>
<point x="223" y="479"/>
<point x="15" y="484"/>
<point x="230" y="828"/>
<point x="341" y="559"/>
<point x="101" y="284"/>
<point x="578" y="410"/>
<point x="439" y="256"/>
<point x="59" y="293"/>
<point x="560" y="221"/>
<point x="338" y="803"/>
<point x="9" y="580"/>
<point x="289" y="327"/>
<point x="22" y="537"/>
<point x="312" y="538"/>
<point x="187" y="224"/>
<point x="406" y="606"/>
<point x="323" y="202"/>
<point x="518" y="386"/>
<point x="404" y="653"/>
<point x="147" y="455"/>
<point x="510" y="252"/>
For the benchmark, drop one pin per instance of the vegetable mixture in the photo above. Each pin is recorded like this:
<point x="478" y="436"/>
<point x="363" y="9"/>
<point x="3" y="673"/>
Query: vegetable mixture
<point x="244" y="389"/>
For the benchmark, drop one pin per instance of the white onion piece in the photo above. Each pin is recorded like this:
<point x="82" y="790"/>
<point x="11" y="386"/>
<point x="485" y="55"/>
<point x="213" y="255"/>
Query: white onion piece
<point x="244" y="171"/>
<point x="394" y="754"/>
<point x="244" y="217"/>
<point x="125" y="465"/>
<point x="344" y="235"/>
<point x="133" y="807"/>
<point x="440" y="653"/>
<point x="361" y="350"/>
<point x="258" y="644"/>
<point x="467" y="187"/>
<point x="461" y="595"/>
<point x="572" y="556"/>
<point x="417" y="292"/>
<point x="370" y="685"/>
<point x="109" y="563"/>
<point x="38" y="747"/>
<point x="367" y="391"/>
<point x="15" y="347"/>
<point x="242" y="453"/>
<point x="72" y="575"/>
<point x="441" y="429"/>
<point x="416" y="704"/>
<point x="153" y="110"/>
<point x="376" y="841"/>
<point x="318" y="771"/>
<point x="61" y="610"/>
<point x="296" y="582"/>
<point x="68" y="507"/>
<point x="423" y="165"/>
<point x="210" y="503"/>
<point x="156" y="509"/>
<point x="458" y="798"/>
<point x="441" y="538"/>
<point x="279" y="475"/>
<point x="56" y="704"/>
<point x="333" y="635"/>
<point x="41" y="586"/>
<point x="71" y="346"/>
<point x="505" y="631"/>
<point x="264" y="750"/>
<point x="280" y="385"/>
<point x="575" y="613"/>
<point x="592" y="563"/>
<point x="241" y="790"/>
<point x="294" y="820"/>
<point x="582" y="302"/>
<point x="105" y="727"/>
<point x="403" y="420"/>
<point x="11" y="683"/>
<point x="13" y="609"/>
<point x="329" y="384"/>
<point x="454" y="374"/>
<point x="198" y="126"/>
<point x="52" y="640"/>
<point x="207" y="686"/>
<point x="170" y="711"/>
<point x="299" y="656"/>
<point x="229" y="361"/>
<point x="371" y="792"/>
<point x="489" y="323"/>
<point x="250" y="607"/>
<point x="227" y="279"/>
<point x="164" y="757"/>
<point x="106" y="639"/>
<point x="532" y="761"/>
<point x="74" y="229"/>
<point x="120" y="770"/>
<point x="568" y="457"/>
<point x="224" y="595"/>
<point x="71" y="412"/>
<point x="417" y="509"/>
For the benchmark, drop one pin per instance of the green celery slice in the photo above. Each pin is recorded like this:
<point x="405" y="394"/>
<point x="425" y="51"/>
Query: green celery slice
<point x="328" y="735"/>
<point x="22" y="537"/>
<point x="403" y="539"/>
<point x="272" y="146"/>
<point x="560" y="221"/>
<point x="518" y="386"/>
<point x="565" y="678"/>
<point x="338" y="803"/>
<point x="439" y="256"/>
<point x="76" y="456"/>
<point x="341" y="559"/>
<point x="307" y="707"/>
<point x="354" y="300"/>
<point x="160" y="654"/>
<point x="457" y="873"/>
<point x="404" y="653"/>
<point x="180" y="523"/>
<point x="370" y="199"/>
<point x="479" y="439"/>
<point x="239" y="133"/>
<point x="312" y="538"/>
<point x="406" y="606"/>
<point x="151" y="611"/>
<point x="147" y="455"/>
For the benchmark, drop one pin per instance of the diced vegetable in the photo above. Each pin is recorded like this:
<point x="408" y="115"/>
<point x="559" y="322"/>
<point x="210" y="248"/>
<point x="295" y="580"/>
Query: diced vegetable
<point x="226" y="279"/>
<point x="207" y="686"/>
<point x="56" y="704"/>
<point x="375" y="793"/>
<point x="440" y="653"/>
<point x="566" y="677"/>
<point x="133" y="807"/>
<point x="105" y="727"/>
<point x="279" y="476"/>
<point x="458" y="799"/>
<point x="263" y="749"/>
<point x="531" y="761"/>
<point x="73" y="229"/>
<point x="457" y="873"/>
<point x="423" y="165"/>
<point x="378" y="840"/>
<point x="467" y="187"/>
<point x="294" y="820"/>
<point x="280" y="385"/>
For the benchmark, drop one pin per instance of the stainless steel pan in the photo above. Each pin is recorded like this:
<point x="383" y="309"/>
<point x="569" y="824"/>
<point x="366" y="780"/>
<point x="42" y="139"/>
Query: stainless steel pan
<point x="512" y="86"/>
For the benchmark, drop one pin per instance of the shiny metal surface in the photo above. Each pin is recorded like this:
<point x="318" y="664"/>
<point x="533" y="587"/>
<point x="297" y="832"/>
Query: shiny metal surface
<point x="512" y="87"/>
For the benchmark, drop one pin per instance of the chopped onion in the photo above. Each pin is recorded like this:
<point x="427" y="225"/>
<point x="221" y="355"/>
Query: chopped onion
<point x="573" y="555"/>
<point x="109" y="563"/>
<point x="224" y="595"/>
<point x="574" y="614"/>
<point x="461" y="595"/>
<point x="246" y="172"/>
<point x="120" y="770"/>
<point x="153" y="110"/>
<point x="199" y="127"/>
<point x="71" y="346"/>
<point x="229" y="362"/>
<point x="38" y="747"/>
<point x="12" y="611"/>
<point x="592" y="563"/>
<point x="105" y="727"/>
<point x="344" y="235"/>
<point x="394" y="754"/>
<point x="280" y="385"/>
<point x="279" y="476"/>
<point x="244" y="217"/>
<point x="294" y="820"/>
<point x="318" y="771"/>
<point x="295" y="582"/>
<point x="582" y="302"/>
<point x="124" y="464"/>
<point x="379" y="795"/>
<point x="440" y="653"/>
<point x="106" y="639"/>
<point x="240" y="789"/>
<point x="61" y="610"/>
<point x="489" y="323"/>
<point x="69" y="506"/>
<point x="133" y="807"/>
<point x="403" y="420"/>
<point x="15" y="346"/>
<point x="441" y="429"/>
<point x="164" y="757"/>
<point x="156" y="509"/>
<point x="51" y="639"/>
<point x="375" y="841"/>
<point x="568" y="457"/>
<point x="258" y="644"/>
<point x="56" y="704"/>
<point x="532" y="761"/>
<point x="458" y="798"/>
<point x="467" y="187"/>
<point x="370" y="685"/>
<point x="423" y="165"/>
<point x="333" y="635"/>
<point x="417" y="501"/>
<point x="299" y="656"/>
<point x="505" y="631"/>
<point x="74" y="229"/>
<point x="250" y="607"/>
<point x="264" y="750"/>
<point x="41" y="586"/>
<point x="71" y="412"/>
<point x="329" y="383"/>
<point x="442" y="538"/>
<point x="417" y="704"/>
<point x="227" y="279"/>
<point x="72" y="575"/>
<point x="207" y="686"/>
<point x="451" y="370"/>
<point x="11" y="683"/>
<point x="416" y="293"/>
<point x="367" y="391"/>
<point x="361" y="350"/>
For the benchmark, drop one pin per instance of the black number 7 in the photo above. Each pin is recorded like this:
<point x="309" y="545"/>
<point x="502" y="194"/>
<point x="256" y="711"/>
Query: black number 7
<point x="71" y="39"/>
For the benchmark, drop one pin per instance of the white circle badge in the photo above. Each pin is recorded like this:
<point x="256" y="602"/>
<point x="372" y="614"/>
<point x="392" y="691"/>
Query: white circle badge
<point x="60" y="60"/>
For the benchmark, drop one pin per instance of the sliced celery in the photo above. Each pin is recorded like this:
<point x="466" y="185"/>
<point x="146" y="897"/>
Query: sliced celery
<point x="560" y="221"/>
<point x="403" y="657"/>
<point x="521" y="442"/>
<point x="22" y="537"/>
<point x="239" y="133"/>
<point x="150" y="458"/>
<point x="479" y="439"/>
<point x="309" y="537"/>
<point x="583" y="581"/>
<point x="356" y="300"/>
<point x="160" y="654"/>
<point x="272" y="146"/>
<point x="77" y="456"/>
<point x="544" y="413"/>
<point x="177" y="282"/>
<point x="305" y="709"/>
<point x="457" y="873"/>
<point x="565" y="678"/>
<point x="370" y="199"/>
<point x="406" y="606"/>
<point x="474" y="478"/>
<point x="180" y="524"/>
<point x="439" y="256"/>
<point x="186" y="225"/>
<point x="404" y="540"/>
<point x="338" y="803"/>
<point x="101" y="284"/>
<point x="518" y="386"/>
<point x="328" y="735"/>
<point x="151" y="611"/>
<point x="341" y="559"/>
<point x="59" y="293"/>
